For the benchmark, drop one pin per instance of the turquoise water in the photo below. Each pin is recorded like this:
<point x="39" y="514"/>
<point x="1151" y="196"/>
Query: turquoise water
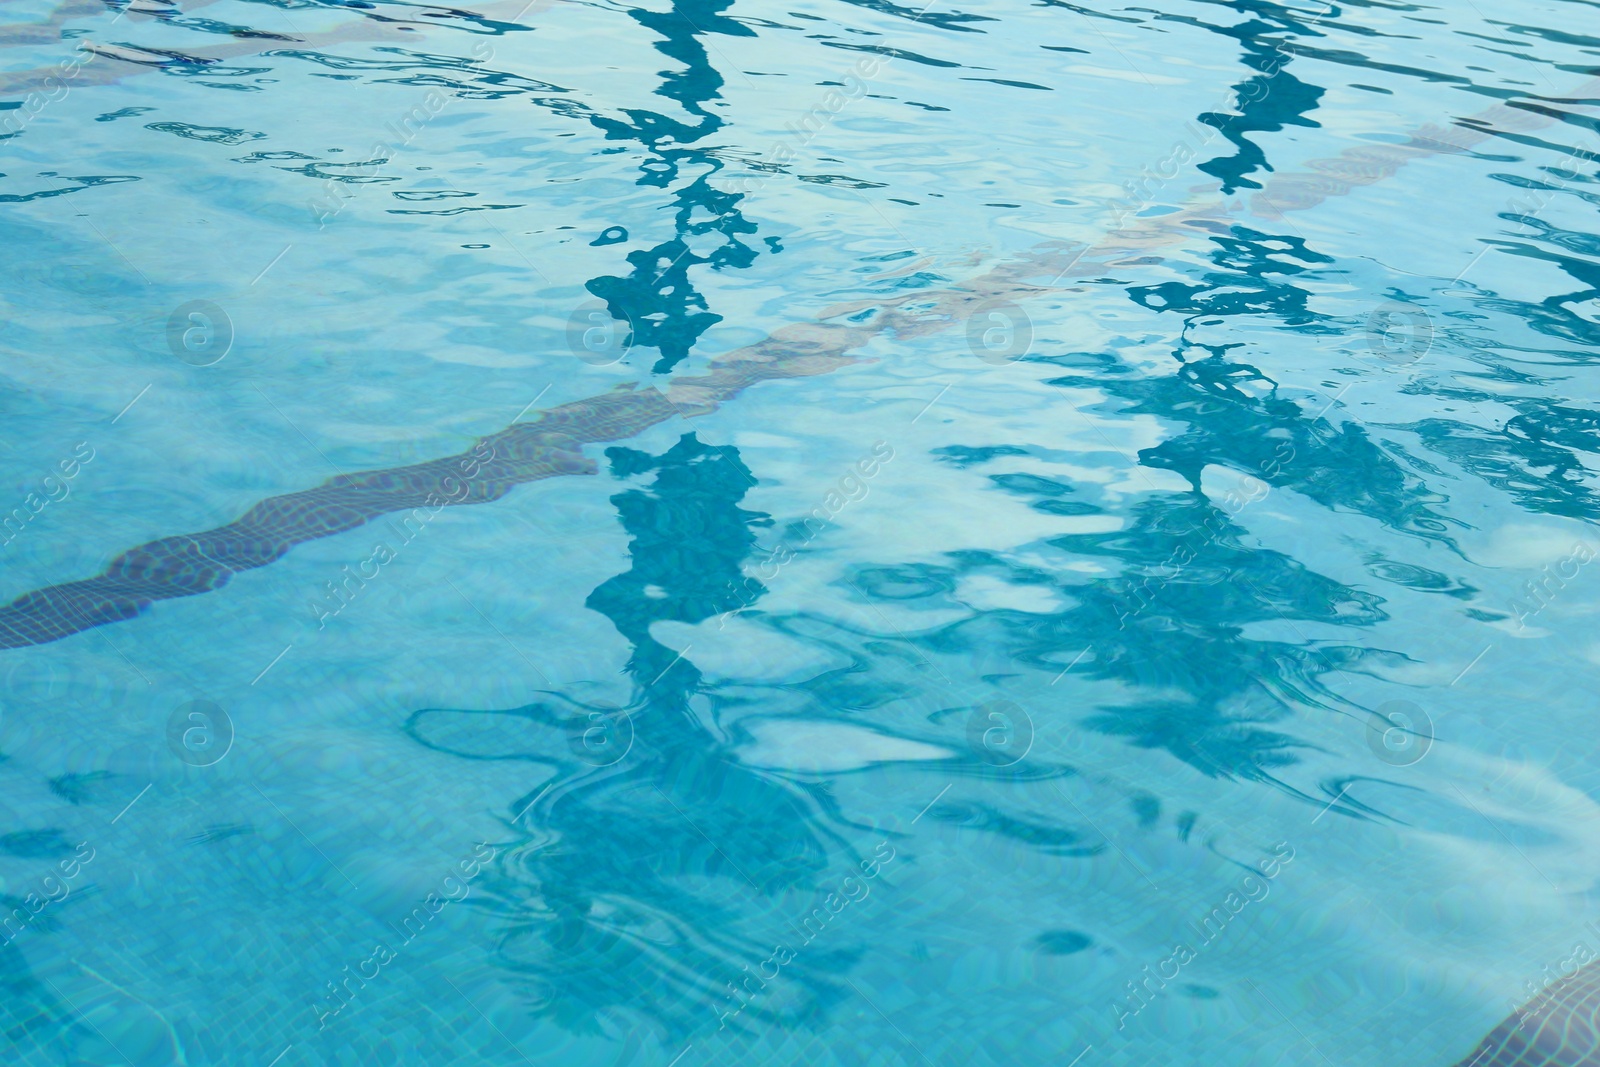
<point x="843" y="533"/>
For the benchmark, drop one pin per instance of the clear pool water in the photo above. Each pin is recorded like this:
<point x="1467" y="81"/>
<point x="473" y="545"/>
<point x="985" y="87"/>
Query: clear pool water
<point x="830" y="533"/>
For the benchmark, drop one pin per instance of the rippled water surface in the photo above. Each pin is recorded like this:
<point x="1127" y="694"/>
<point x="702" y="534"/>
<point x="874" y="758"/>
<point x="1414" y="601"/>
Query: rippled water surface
<point x="839" y="533"/>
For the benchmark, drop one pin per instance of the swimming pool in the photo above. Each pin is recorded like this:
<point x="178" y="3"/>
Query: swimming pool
<point x="843" y="533"/>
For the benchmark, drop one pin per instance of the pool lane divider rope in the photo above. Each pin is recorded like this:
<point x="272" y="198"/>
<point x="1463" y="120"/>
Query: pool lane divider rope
<point x="551" y="444"/>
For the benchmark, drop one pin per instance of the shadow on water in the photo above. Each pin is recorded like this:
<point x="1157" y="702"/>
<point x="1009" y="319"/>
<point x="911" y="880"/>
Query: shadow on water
<point x="1269" y="101"/>
<point x="630" y="891"/>
<point x="658" y="299"/>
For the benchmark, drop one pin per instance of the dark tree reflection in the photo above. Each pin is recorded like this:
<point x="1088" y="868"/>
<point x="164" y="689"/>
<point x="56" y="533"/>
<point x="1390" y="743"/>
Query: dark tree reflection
<point x="649" y="887"/>
<point x="657" y="297"/>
